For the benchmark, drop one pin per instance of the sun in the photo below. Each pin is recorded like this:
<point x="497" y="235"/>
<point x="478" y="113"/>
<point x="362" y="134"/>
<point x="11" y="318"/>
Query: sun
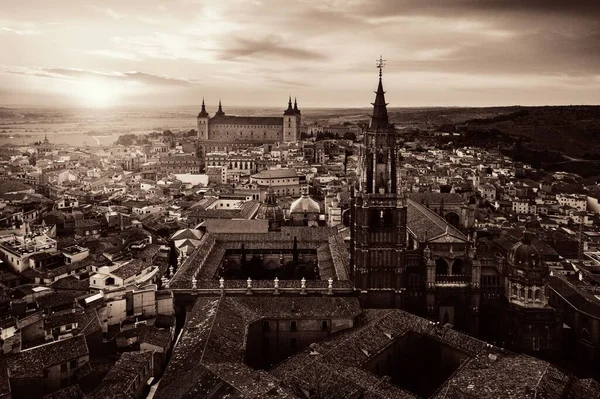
<point x="98" y="93"/>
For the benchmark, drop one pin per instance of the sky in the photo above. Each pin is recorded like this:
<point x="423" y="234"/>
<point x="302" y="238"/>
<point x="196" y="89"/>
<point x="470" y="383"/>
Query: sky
<point x="169" y="53"/>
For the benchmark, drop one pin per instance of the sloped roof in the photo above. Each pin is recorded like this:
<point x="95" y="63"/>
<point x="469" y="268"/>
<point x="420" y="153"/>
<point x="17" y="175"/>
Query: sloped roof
<point x="214" y="343"/>
<point x="426" y="224"/>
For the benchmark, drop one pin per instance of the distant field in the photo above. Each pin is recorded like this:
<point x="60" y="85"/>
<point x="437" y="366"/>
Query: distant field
<point x="572" y="130"/>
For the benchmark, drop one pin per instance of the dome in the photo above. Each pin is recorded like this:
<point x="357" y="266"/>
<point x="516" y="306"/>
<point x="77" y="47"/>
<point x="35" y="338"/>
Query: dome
<point x="524" y="254"/>
<point x="305" y="204"/>
<point x="270" y="210"/>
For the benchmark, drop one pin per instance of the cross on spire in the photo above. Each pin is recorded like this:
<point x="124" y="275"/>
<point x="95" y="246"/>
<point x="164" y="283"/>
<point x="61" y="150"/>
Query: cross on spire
<point x="380" y="64"/>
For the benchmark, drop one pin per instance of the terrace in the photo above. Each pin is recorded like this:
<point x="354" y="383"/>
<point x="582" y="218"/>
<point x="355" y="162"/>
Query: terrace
<point x="28" y="244"/>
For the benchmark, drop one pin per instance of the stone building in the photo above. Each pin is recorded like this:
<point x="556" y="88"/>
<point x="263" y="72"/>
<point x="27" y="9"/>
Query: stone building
<point x="531" y="324"/>
<point x="379" y="247"/>
<point x="228" y="132"/>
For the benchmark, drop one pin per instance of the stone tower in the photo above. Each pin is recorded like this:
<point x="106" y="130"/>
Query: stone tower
<point x="291" y="122"/>
<point x="532" y="326"/>
<point x="378" y="215"/>
<point x="202" y="122"/>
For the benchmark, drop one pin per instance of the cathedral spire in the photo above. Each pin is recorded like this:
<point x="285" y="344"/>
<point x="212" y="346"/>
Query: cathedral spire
<point x="296" y="106"/>
<point x="379" y="119"/>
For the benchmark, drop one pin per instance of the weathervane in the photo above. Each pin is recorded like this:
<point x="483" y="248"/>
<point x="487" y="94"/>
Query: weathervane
<point x="380" y="64"/>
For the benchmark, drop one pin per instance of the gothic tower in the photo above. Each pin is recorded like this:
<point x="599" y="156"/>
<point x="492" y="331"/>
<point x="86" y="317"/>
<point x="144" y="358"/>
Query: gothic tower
<point x="378" y="218"/>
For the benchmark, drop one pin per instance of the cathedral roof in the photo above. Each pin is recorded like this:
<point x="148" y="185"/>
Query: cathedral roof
<point x="426" y="224"/>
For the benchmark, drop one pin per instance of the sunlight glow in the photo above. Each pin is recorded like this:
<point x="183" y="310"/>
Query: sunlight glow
<point x="98" y="93"/>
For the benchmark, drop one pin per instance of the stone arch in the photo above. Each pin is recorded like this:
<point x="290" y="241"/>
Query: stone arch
<point x="453" y="219"/>
<point x="272" y="265"/>
<point x="441" y="266"/>
<point x="458" y="267"/>
<point x="522" y="293"/>
<point x="514" y="290"/>
<point x="530" y="294"/>
<point x="537" y="295"/>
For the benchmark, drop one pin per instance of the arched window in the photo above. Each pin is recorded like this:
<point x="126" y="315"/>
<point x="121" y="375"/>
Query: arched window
<point x="530" y="294"/>
<point x="537" y="295"/>
<point x="441" y="267"/>
<point x="522" y="293"/>
<point x="514" y="290"/>
<point x="458" y="267"/>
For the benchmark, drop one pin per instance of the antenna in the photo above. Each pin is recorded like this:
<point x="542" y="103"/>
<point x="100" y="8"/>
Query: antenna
<point x="380" y="64"/>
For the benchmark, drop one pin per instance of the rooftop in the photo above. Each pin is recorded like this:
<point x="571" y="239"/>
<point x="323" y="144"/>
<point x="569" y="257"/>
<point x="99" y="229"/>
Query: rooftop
<point x="275" y="174"/>
<point x="30" y="363"/>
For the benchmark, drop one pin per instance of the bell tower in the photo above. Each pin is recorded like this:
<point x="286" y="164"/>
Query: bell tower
<point x="378" y="216"/>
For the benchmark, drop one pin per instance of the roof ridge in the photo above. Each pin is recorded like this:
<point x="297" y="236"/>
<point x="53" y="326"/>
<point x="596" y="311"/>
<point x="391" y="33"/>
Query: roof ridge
<point x="351" y="335"/>
<point x="211" y="328"/>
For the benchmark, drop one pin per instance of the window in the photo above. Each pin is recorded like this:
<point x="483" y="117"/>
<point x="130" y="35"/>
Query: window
<point x="63" y="367"/>
<point x="293" y="325"/>
<point x="73" y="364"/>
<point x="324" y="325"/>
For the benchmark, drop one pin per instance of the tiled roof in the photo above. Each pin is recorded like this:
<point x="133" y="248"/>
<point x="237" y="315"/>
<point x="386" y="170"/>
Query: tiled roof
<point x="32" y="362"/>
<point x="213" y="343"/>
<point x="426" y="224"/>
<point x="9" y="186"/>
<point x="275" y="174"/>
<point x="122" y="375"/>
<point x="71" y="392"/>
<point x="131" y="268"/>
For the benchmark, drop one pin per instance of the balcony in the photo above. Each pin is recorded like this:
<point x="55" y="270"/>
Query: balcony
<point x="456" y="280"/>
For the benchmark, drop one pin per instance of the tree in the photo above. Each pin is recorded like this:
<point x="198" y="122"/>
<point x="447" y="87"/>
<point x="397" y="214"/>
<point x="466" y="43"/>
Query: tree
<point x="173" y="255"/>
<point x="349" y="136"/>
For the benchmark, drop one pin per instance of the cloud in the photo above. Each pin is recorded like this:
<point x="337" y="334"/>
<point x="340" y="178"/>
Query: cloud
<point x="269" y="46"/>
<point x="20" y="32"/>
<point x="114" y="54"/>
<point x="109" y="12"/>
<point x="455" y="8"/>
<point x="133" y="77"/>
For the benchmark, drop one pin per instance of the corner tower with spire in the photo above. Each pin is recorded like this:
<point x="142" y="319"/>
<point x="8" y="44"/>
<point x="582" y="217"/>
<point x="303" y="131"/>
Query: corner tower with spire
<point x="378" y="213"/>
<point x="202" y="123"/>
<point x="291" y="122"/>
